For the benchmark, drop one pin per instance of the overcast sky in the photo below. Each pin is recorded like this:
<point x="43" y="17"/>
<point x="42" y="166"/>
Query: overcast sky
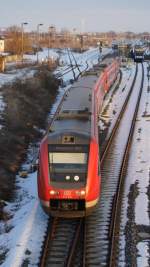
<point x="84" y="15"/>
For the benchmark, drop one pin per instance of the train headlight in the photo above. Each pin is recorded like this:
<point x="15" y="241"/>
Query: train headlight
<point x="76" y="178"/>
<point x="67" y="177"/>
<point x="52" y="193"/>
<point x="82" y="193"/>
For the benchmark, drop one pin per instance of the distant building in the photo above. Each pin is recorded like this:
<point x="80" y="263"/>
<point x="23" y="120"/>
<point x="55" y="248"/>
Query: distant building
<point x="2" y="63"/>
<point x="2" y="45"/>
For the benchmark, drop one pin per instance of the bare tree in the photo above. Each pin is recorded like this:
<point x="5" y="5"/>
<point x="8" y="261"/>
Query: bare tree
<point x="14" y="40"/>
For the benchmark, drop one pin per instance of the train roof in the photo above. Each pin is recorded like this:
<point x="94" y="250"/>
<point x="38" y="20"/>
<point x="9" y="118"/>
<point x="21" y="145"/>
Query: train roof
<point x="75" y="111"/>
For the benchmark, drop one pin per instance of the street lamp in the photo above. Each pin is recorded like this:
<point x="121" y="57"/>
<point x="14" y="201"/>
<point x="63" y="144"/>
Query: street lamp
<point x="38" y="26"/>
<point x="22" y="35"/>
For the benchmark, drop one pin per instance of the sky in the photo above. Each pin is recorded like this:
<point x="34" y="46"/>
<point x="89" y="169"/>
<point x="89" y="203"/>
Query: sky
<point x="83" y="15"/>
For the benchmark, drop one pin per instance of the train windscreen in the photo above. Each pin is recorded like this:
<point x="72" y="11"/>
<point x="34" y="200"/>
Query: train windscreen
<point x="68" y="165"/>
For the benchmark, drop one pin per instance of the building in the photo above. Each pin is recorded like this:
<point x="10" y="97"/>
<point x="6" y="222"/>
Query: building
<point x="2" y="46"/>
<point x="2" y="63"/>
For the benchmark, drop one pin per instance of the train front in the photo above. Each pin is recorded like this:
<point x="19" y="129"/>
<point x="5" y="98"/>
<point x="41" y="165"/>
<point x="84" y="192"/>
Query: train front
<point x="68" y="178"/>
<point x="139" y="52"/>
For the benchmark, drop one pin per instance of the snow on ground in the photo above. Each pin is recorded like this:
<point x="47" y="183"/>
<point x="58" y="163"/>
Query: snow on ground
<point x="137" y="182"/>
<point x="90" y="55"/>
<point x="43" y="55"/>
<point x="84" y="60"/>
<point x="27" y="227"/>
<point x="142" y="146"/>
<point x="4" y="78"/>
<point x="139" y="172"/>
<point x="111" y="109"/>
<point x="143" y="251"/>
<point x="10" y="76"/>
<point x="139" y="162"/>
<point x="62" y="54"/>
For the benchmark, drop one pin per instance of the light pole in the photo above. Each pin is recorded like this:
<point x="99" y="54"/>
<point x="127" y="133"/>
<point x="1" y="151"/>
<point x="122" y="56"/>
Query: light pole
<point x="74" y="38"/>
<point x="51" y="29"/>
<point x="81" y="42"/>
<point x="22" y="40"/>
<point x="38" y="26"/>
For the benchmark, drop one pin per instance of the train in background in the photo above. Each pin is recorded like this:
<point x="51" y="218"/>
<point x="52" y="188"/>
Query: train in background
<point x="69" y="178"/>
<point x="127" y="49"/>
<point x="138" y="53"/>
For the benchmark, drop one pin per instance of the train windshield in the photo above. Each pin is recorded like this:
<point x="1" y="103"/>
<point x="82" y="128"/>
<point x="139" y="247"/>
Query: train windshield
<point x="67" y="163"/>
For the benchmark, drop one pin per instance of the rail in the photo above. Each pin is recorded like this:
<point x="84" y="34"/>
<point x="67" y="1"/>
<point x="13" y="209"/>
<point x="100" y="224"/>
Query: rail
<point x="109" y="141"/>
<point x="69" y="249"/>
<point x="118" y="197"/>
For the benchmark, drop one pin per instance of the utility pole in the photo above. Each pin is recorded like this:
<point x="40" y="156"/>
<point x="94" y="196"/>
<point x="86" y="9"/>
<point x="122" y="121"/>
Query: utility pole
<point x="38" y="41"/>
<point x="50" y="32"/>
<point x="22" y="39"/>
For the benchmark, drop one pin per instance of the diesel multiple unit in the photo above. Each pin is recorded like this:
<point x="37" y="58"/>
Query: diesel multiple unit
<point x="69" y="165"/>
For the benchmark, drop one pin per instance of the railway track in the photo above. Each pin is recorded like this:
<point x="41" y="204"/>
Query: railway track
<point x="74" y="65"/>
<point x="61" y="243"/>
<point x="117" y="203"/>
<point x="103" y="225"/>
<point x="106" y="146"/>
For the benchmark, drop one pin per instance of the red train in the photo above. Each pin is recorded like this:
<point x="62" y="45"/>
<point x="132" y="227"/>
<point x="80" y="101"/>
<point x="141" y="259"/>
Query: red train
<point x="69" y="165"/>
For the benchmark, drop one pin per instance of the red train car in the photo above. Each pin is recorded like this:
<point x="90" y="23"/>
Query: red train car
<point x="69" y="172"/>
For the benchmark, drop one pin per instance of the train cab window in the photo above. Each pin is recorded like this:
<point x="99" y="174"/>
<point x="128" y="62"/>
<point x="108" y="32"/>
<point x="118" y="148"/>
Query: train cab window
<point x="67" y="161"/>
<point x="67" y="166"/>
